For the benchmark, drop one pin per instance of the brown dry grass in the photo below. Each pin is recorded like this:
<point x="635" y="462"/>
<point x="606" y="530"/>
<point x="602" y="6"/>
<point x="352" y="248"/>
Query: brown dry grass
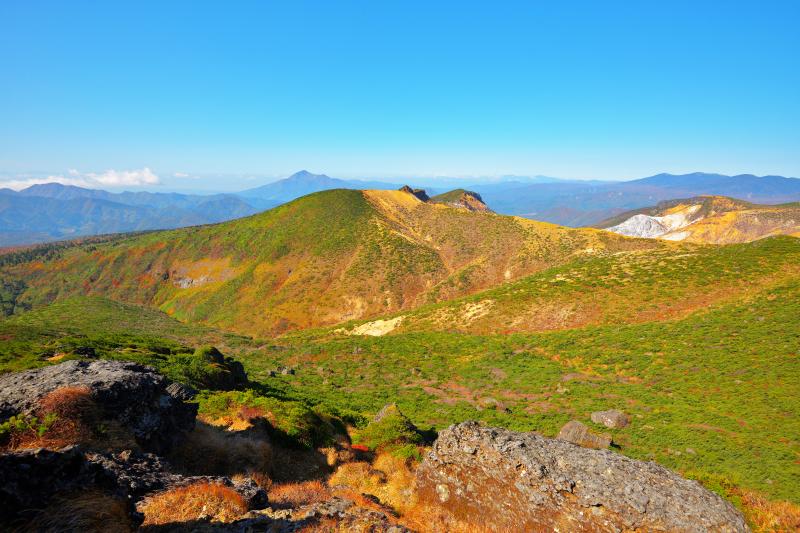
<point x="86" y="512"/>
<point x="293" y="465"/>
<point x="391" y="480"/>
<point x="769" y="516"/>
<point x="76" y="416"/>
<point x="291" y="495"/>
<point x="212" y="500"/>
<point x="388" y="478"/>
<point x="427" y="518"/>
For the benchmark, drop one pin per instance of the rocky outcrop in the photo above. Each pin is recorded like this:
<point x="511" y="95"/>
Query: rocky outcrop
<point x="462" y="199"/>
<point x="513" y="481"/>
<point x="138" y="475"/>
<point x="29" y="479"/>
<point x="419" y="193"/>
<point x="641" y="226"/>
<point x="577" y="433"/>
<point x="613" y="418"/>
<point x="144" y="402"/>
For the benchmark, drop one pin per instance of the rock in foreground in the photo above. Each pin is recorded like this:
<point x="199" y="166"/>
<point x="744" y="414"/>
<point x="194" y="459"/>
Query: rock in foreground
<point x="504" y="480"/>
<point x="149" y="405"/>
<point x="32" y="478"/>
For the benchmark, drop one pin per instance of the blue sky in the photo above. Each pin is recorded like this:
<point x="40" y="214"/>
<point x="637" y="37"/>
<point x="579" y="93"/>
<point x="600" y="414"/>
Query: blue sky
<point x="226" y="95"/>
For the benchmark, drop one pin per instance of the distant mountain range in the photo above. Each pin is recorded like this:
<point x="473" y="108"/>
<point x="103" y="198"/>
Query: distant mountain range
<point x="53" y="211"/>
<point x="575" y="203"/>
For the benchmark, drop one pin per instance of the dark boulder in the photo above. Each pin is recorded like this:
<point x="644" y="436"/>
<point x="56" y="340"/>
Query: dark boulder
<point x="419" y="193"/>
<point x="144" y="402"/>
<point x="30" y="479"/>
<point x="509" y="481"/>
<point x="138" y="475"/>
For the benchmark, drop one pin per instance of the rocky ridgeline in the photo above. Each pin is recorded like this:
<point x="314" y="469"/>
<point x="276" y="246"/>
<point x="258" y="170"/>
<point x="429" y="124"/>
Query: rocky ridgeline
<point x="524" y="482"/>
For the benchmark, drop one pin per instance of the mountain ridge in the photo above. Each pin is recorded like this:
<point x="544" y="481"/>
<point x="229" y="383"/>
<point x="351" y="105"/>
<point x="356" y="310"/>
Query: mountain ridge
<point x="587" y="204"/>
<point x="708" y="219"/>
<point x="322" y="259"/>
<point x="566" y="202"/>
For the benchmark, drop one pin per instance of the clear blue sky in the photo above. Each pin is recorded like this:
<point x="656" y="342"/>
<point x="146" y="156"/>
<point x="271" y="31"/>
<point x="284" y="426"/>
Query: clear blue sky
<point x="237" y="90"/>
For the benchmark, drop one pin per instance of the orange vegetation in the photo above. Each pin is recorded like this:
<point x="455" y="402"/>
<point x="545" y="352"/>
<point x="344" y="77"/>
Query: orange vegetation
<point x="212" y="500"/>
<point x="73" y="414"/>
<point x="290" y="495"/>
<point x="765" y="515"/>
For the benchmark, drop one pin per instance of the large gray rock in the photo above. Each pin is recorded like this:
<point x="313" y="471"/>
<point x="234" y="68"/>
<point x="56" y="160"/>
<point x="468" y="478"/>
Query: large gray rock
<point x="524" y="482"/>
<point x="140" y="399"/>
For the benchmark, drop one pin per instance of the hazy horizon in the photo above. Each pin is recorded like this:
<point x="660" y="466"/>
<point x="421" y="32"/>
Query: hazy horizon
<point x="208" y="184"/>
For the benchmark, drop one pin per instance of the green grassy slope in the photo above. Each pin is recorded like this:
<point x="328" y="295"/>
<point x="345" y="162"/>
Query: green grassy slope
<point x="712" y="393"/>
<point x="616" y="289"/>
<point x="91" y="327"/>
<point x="108" y="328"/>
<point x="715" y="393"/>
<point x="322" y="259"/>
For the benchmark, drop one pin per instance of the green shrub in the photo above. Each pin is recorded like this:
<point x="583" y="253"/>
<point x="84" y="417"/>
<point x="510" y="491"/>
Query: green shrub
<point x="293" y="422"/>
<point x="19" y="424"/>
<point x="390" y="431"/>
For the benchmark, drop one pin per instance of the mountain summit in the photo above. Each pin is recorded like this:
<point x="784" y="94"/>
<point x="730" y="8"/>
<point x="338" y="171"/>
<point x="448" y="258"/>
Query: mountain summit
<point x="302" y="183"/>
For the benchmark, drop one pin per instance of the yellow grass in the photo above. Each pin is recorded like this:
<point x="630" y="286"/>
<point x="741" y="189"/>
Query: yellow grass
<point x="388" y="478"/>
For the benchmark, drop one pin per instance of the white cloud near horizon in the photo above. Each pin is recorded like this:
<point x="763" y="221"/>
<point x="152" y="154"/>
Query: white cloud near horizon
<point x="109" y="178"/>
<point x="114" y="178"/>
